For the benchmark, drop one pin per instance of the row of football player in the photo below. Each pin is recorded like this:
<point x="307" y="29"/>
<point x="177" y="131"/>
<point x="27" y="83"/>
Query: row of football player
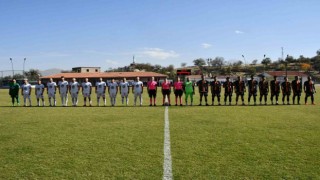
<point x="239" y="87"/>
<point x="186" y="87"/>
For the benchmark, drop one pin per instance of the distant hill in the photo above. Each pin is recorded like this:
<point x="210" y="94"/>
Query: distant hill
<point x="49" y="72"/>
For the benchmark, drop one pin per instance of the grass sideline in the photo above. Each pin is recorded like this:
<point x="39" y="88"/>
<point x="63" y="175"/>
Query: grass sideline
<point x="256" y="142"/>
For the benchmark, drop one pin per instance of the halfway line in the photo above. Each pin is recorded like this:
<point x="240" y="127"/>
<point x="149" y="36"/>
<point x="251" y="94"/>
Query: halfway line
<point x="167" y="163"/>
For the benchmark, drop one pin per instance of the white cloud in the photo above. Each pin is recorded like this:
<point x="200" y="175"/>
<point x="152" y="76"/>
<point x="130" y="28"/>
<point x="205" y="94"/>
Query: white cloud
<point x="158" y="53"/>
<point x="238" y="32"/>
<point x="112" y="63"/>
<point x="206" y="45"/>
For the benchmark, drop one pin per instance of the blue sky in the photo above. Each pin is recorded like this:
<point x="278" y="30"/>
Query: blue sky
<point x="68" y="33"/>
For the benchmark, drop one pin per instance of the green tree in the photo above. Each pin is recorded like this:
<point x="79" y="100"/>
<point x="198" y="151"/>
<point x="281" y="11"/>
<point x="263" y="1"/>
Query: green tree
<point x="199" y="62"/>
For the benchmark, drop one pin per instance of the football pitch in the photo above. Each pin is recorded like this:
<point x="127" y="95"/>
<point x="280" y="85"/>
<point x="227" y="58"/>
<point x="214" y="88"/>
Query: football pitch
<point x="207" y="142"/>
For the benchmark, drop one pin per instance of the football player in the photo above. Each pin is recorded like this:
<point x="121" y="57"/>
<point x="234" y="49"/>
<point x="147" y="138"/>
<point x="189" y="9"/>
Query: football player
<point x="63" y="90"/>
<point x="124" y="91"/>
<point x="275" y="89"/>
<point x="101" y="91"/>
<point x="286" y="90"/>
<point x="39" y="93"/>
<point x="113" y="90"/>
<point x="309" y="89"/>
<point x="74" y="91"/>
<point x="25" y="92"/>
<point x="51" y="91"/>
<point x="203" y="86"/>
<point x="137" y="89"/>
<point x="264" y="90"/>
<point x="297" y="89"/>
<point x="86" y="92"/>
<point x="240" y="88"/>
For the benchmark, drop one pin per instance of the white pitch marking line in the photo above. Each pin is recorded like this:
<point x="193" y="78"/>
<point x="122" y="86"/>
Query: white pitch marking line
<point x="167" y="163"/>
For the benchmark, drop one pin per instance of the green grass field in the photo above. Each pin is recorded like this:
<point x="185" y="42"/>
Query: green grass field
<point x="214" y="142"/>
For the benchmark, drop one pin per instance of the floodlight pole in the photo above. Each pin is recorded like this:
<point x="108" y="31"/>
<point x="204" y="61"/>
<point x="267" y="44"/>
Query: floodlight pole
<point x="24" y="62"/>
<point x="245" y="63"/>
<point x="287" y="65"/>
<point x="12" y="67"/>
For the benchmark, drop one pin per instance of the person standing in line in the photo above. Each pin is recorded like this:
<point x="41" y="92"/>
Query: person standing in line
<point x="166" y="91"/>
<point x="188" y="88"/>
<point x="178" y="90"/>
<point x="113" y="90"/>
<point x="297" y="89"/>
<point x="137" y="89"/>
<point x="39" y="93"/>
<point x="51" y="91"/>
<point x="286" y="90"/>
<point x="228" y="90"/>
<point x="14" y="92"/>
<point x="310" y="90"/>
<point x="101" y="91"/>
<point x="26" y="92"/>
<point x="275" y="89"/>
<point x="74" y="91"/>
<point x="152" y="90"/>
<point x="203" y="86"/>
<point x="264" y="90"/>
<point x="215" y="90"/>
<point x="63" y="90"/>
<point x="124" y="91"/>
<point x="86" y="92"/>
<point x="240" y="89"/>
<point x="252" y="89"/>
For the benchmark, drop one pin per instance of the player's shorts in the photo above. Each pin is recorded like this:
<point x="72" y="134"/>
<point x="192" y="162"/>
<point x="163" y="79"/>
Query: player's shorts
<point x="52" y="95"/>
<point x="309" y="94"/>
<point x="74" y="95"/>
<point x="216" y="94"/>
<point x="275" y="93"/>
<point x="203" y="93"/>
<point x="166" y="92"/>
<point x="252" y="93"/>
<point x="138" y="93"/>
<point x="228" y="94"/>
<point x="240" y="93"/>
<point x="263" y="93"/>
<point x="124" y="94"/>
<point x="101" y="94"/>
<point x="86" y="95"/>
<point x="64" y="94"/>
<point x="113" y="94"/>
<point x="286" y="93"/>
<point x="297" y="93"/>
<point x="178" y="92"/>
<point x="26" y="95"/>
<point x="152" y="93"/>
<point x="39" y="96"/>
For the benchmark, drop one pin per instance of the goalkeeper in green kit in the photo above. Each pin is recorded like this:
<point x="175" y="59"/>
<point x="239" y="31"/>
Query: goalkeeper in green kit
<point x="188" y="88"/>
<point x="14" y="91"/>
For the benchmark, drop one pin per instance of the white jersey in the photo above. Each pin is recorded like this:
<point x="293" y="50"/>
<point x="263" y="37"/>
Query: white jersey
<point x="26" y="88"/>
<point x="51" y="87"/>
<point x="124" y="87"/>
<point x="138" y="87"/>
<point x="63" y="85"/>
<point x="86" y="87"/>
<point x="39" y="88"/>
<point x="113" y="87"/>
<point x="74" y="87"/>
<point x="100" y="86"/>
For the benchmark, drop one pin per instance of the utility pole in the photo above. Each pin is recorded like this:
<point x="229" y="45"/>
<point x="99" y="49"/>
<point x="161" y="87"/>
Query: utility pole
<point x="12" y="67"/>
<point x="24" y="61"/>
